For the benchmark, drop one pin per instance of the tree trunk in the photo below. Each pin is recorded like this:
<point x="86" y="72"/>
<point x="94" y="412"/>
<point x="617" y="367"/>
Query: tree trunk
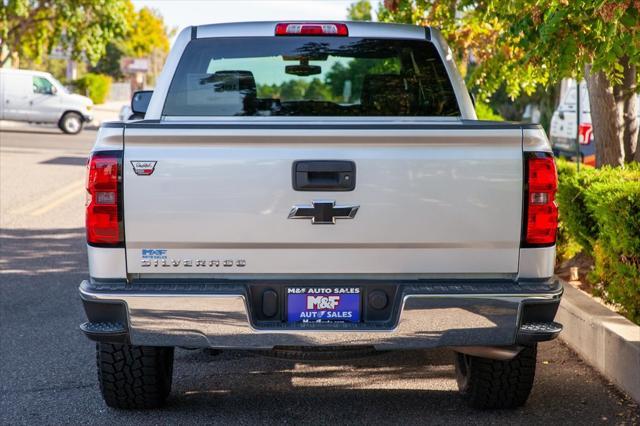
<point x="606" y="118"/>
<point x="630" y="135"/>
<point x="630" y="112"/>
<point x="632" y="130"/>
<point x="4" y="56"/>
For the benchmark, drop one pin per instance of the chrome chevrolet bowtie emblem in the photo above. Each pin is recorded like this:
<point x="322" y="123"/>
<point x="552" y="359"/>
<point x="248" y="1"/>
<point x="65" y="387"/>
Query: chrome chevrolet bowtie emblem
<point x="323" y="212"/>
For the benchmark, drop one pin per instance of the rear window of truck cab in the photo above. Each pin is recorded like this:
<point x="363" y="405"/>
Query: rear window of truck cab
<point x="310" y="76"/>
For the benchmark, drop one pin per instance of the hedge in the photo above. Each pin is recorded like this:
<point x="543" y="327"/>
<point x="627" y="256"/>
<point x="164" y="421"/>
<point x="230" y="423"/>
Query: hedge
<point x="484" y="112"/>
<point x="600" y="210"/>
<point x="96" y="86"/>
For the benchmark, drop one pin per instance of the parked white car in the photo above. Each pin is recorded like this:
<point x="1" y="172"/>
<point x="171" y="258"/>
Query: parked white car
<point x="37" y="97"/>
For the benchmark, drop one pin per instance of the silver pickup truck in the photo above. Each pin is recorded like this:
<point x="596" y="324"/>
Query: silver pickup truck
<point x="311" y="185"/>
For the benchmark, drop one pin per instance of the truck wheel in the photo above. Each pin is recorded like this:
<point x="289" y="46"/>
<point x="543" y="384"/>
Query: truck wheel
<point x="71" y="123"/>
<point x="488" y="383"/>
<point x="134" y="376"/>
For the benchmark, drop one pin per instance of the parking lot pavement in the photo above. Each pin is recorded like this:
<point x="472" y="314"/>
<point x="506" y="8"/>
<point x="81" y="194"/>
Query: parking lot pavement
<point x="47" y="368"/>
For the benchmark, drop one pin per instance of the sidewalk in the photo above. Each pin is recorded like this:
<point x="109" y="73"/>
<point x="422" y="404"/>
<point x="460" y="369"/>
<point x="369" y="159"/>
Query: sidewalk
<point x="604" y="339"/>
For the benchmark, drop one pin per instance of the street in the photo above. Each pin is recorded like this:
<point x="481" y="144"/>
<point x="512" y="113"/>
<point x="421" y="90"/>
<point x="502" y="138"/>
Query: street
<point x="47" y="367"/>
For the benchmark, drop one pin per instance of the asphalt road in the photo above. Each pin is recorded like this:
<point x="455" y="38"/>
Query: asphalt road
<point x="47" y="367"/>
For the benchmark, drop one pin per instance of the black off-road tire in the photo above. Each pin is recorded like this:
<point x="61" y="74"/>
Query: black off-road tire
<point x="71" y="123"/>
<point x="134" y="376"/>
<point x="488" y="383"/>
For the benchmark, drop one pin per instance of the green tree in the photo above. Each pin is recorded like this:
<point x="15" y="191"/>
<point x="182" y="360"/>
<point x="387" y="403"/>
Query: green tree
<point x="268" y="91"/>
<point x="317" y="91"/>
<point x="146" y="32"/>
<point x="360" y="11"/>
<point x="355" y="72"/>
<point x="146" y="36"/>
<point x="32" y="28"/>
<point x="109" y="64"/>
<point x="524" y="44"/>
<point x="292" y="90"/>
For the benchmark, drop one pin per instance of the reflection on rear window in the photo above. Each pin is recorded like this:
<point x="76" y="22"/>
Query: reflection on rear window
<point x="310" y="76"/>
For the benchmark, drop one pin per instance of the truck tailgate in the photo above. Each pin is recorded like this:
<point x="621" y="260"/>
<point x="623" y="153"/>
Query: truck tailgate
<point x="432" y="200"/>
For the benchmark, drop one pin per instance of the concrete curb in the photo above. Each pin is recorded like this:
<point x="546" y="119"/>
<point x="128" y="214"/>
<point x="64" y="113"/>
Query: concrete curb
<point x="604" y="339"/>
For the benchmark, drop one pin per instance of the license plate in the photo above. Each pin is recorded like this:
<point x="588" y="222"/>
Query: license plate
<point x="323" y="304"/>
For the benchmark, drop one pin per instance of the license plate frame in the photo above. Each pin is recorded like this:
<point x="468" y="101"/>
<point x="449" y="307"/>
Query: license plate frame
<point x="323" y="305"/>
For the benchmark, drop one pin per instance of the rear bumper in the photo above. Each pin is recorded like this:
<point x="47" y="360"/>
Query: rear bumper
<point x="219" y="315"/>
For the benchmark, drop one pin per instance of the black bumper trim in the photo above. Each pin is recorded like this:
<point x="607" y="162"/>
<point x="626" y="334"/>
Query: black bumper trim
<point x="111" y="332"/>
<point x="534" y="332"/>
<point x="233" y="286"/>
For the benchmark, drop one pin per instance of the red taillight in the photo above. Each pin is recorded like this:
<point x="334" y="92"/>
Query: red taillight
<point x="103" y="220"/>
<point x="311" y="29"/>
<point x="585" y="133"/>
<point x="541" y="209"/>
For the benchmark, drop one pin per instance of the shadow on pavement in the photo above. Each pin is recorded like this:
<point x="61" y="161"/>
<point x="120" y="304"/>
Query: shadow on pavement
<point x="35" y="130"/>
<point x="36" y="252"/>
<point x="66" y="161"/>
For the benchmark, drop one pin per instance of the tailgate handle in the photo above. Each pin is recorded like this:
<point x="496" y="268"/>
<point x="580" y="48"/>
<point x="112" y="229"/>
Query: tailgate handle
<point x="324" y="175"/>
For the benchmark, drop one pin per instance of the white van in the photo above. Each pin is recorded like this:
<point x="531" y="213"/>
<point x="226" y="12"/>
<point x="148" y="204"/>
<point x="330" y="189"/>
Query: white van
<point x="563" y="126"/>
<point x="37" y="97"/>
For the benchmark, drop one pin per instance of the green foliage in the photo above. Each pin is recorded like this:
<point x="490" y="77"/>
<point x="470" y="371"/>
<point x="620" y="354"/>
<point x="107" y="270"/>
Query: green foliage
<point x="57" y="67"/>
<point x="109" y="64"/>
<point x="600" y="209"/>
<point x="355" y="72"/>
<point x="620" y="276"/>
<point x="360" y="11"/>
<point x="566" y="245"/>
<point x="331" y="89"/>
<point x="32" y="28"/>
<point x="146" y="32"/>
<point x="572" y="204"/>
<point x="523" y="44"/>
<point x="96" y="86"/>
<point x="485" y="112"/>
<point x="292" y="90"/>
<point x="145" y="36"/>
<point x="317" y="91"/>
<point x="289" y="90"/>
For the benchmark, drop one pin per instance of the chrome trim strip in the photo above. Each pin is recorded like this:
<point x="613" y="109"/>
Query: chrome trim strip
<point x="336" y="245"/>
